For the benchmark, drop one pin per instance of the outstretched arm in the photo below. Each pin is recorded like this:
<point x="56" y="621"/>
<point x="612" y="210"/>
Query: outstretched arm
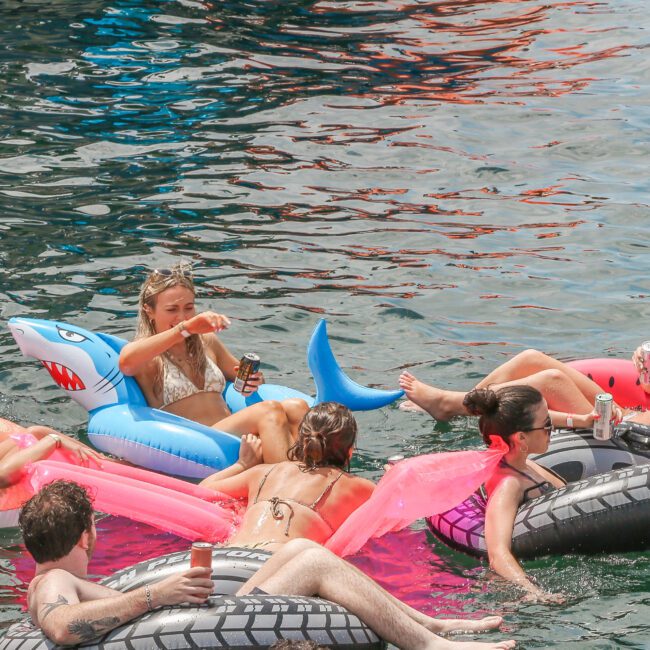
<point x="12" y="466"/>
<point x="499" y="524"/>
<point x="137" y="354"/>
<point x="72" y="611"/>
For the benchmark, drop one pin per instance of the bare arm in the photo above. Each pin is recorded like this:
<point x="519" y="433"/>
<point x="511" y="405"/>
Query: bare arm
<point x="12" y="467"/>
<point x="499" y="523"/>
<point x="136" y="355"/>
<point x="250" y="454"/>
<point x="72" y="611"/>
<point x="580" y="420"/>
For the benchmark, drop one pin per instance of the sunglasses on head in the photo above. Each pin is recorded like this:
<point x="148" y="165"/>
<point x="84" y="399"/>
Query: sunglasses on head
<point x="181" y="270"/>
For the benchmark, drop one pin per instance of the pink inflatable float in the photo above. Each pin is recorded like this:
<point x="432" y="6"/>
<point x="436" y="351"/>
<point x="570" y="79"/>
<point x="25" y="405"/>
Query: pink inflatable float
<point x="618" y="377"/>
<point x="167" y="503"/>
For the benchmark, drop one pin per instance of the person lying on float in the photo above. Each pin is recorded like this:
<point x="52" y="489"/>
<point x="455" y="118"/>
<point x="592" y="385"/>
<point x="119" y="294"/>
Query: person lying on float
<point x="14" y="457"/>
<point x="309" y="495"/>
<point x="182" y="366"/>
<point x="59" y="532"/>
<point x="570" y="394"/>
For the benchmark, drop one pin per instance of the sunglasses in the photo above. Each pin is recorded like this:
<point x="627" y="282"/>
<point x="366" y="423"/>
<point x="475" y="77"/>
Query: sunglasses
<point x="183" y="270"/>
<point x="548" y="427"/>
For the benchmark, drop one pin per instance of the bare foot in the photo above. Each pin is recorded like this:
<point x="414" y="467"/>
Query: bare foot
<point x="439" y="404"/>
<point x="461" y="625"/>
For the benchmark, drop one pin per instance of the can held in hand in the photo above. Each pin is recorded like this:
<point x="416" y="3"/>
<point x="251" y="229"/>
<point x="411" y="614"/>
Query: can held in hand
<point x="249" y="365"/>
<point x="201" y="555"/>
<point x="394" y="459"/>
<point x="604" y="407"/>
<point x="644" y="377"/>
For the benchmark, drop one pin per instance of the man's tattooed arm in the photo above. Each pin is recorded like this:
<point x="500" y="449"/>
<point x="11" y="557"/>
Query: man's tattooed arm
<point x="49" y="607"/>
<point x="89" y="630"/>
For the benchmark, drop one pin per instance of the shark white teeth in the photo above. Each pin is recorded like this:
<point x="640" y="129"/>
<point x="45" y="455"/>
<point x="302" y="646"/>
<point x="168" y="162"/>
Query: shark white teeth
<point x="63" y="376"/>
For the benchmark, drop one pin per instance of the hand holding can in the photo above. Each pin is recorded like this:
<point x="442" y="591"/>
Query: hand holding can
<point x="604" y="410"/>
<point x="248" y="366"/>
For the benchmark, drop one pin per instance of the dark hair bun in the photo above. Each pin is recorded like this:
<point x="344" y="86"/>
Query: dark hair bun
<point x="481" y="401"/>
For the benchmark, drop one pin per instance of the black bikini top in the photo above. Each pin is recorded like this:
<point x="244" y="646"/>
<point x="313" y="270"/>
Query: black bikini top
<point x="543" y="486"/>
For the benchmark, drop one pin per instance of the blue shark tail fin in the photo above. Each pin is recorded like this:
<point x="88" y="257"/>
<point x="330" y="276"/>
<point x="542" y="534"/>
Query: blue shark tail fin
<point x="333" y="385"/>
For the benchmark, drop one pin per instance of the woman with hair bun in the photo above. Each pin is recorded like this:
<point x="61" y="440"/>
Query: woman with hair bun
<point x="516" y="416"/>
<point x="309" y="495"/>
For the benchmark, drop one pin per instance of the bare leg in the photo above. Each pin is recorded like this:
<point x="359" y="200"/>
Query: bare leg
<point x="529" y="362"/>
<point x="559" y="391"/>
<point x="268" y="420"/>
<point x="439" y="404"/>
<point x="563" y="387"/>
<point x="295" y="409"/>
<point x="305" y="568"/>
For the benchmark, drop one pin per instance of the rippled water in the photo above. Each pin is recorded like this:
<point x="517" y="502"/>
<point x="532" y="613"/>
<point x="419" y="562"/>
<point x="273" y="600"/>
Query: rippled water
<point x="446" y="182"/>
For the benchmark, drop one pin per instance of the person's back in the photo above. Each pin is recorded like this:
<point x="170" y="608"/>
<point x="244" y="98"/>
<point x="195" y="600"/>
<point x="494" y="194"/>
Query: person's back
<point x="308" y="496"/>
<point x="289" y="502"/>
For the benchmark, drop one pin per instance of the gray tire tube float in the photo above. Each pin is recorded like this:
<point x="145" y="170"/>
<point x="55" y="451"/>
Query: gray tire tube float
<point x="576" y="454"/>
<point x="609" y="512"/>
<point x="237" y="623"/>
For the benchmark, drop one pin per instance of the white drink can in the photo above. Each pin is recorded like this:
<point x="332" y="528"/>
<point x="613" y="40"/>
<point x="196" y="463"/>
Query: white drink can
<point x="604" y="407"/>
<point x="644" y="377"/>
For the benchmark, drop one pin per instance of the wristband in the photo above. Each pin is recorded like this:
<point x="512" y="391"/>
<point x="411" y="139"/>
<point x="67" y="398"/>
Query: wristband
<point x="56" y="438"/>
<point x="185" y="333"/>
<point x="147" y="595"/>
<point x="569" y="420"/>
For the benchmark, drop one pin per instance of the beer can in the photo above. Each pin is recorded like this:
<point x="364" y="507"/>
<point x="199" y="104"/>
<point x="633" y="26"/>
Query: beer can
<point x="394" y="459"/>
<point x="248" y="366"/>
<point x="604" y="407"/>
<point x="201" y="555"/>
<point x="644" y="377"/>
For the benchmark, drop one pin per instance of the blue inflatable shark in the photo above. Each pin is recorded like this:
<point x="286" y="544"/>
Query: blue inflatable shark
<point x="85" y="365"/>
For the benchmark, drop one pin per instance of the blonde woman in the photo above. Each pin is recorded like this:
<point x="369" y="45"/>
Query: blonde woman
<point x="182" y="366"/>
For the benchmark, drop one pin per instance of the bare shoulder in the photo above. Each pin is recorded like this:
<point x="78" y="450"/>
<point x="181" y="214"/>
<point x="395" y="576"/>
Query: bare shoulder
<point x="52" y="579"/>
<point x="51" y="590"/>
<point x="355" y="488"/>
<point x="506" y="487"/>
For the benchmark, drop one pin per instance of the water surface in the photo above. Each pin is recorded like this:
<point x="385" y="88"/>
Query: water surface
<point x="446" y="182"/>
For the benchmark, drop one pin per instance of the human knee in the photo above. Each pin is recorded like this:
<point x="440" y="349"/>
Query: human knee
<point x="274" y="411"/>
<point x="295" y="405"/>
<point x="296" y="546"/>
<point x="295" y="409"/>
<point x="531" y="358"/>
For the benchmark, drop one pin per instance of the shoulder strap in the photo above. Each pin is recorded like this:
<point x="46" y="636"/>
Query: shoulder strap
<point x="259" y="489"/>
<point x="327" y="490"/>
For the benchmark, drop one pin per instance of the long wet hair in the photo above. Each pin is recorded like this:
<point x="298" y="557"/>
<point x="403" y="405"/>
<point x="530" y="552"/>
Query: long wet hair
<point x="157" y="282"/>
<point x="326" y="434"/>
<point x="503" y="412"/>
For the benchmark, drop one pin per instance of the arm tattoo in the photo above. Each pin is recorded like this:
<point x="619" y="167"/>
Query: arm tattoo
<point x="48" y="607"/>
<point x="88" y="630"/>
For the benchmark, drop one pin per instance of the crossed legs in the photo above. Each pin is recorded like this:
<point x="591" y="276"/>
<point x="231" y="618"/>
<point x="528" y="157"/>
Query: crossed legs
<point x="564" y="388"/>
<point x="304" y="568"/>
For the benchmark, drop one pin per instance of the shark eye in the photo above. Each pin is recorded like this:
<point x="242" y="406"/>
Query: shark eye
<point x="69" y="335"/>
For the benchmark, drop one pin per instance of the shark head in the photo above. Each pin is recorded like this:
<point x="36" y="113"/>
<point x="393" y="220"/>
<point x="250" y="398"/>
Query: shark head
<point x="84" y="364"/>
